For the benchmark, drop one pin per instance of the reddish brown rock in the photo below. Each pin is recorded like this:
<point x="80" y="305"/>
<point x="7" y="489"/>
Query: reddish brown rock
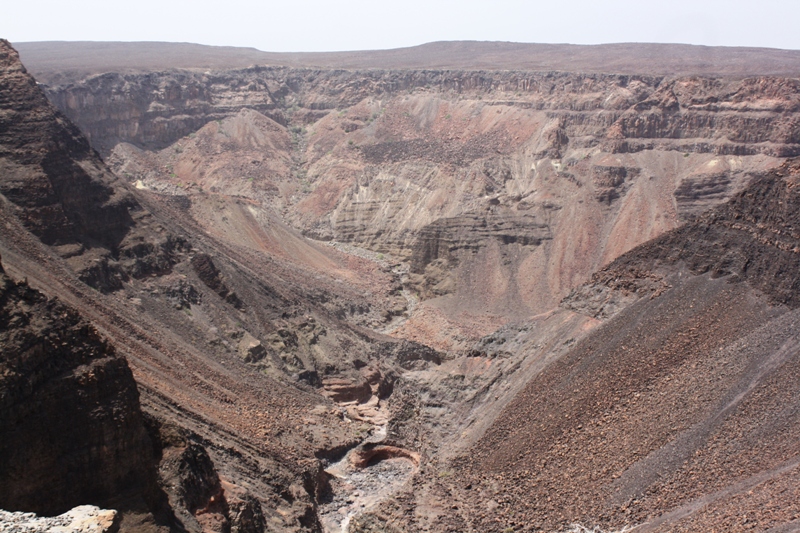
<point x="343" y="390"/>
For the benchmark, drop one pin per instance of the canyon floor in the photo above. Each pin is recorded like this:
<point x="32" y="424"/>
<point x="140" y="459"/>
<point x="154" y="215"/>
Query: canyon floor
<point x="452" y="288"/>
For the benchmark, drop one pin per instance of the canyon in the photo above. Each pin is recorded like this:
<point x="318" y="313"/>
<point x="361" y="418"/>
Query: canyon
<point x="402" y="290"/>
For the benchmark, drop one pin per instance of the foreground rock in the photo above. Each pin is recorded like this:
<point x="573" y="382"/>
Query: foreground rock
<point x="71" y="429"/>
<point x="82" y="519"/>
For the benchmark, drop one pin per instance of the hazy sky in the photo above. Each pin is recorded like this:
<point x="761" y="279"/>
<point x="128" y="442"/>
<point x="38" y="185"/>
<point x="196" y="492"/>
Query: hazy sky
<point x="320" y="25"/>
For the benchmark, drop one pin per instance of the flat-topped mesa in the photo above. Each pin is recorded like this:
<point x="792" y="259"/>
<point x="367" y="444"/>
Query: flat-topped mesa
<point x="69" y="60"/>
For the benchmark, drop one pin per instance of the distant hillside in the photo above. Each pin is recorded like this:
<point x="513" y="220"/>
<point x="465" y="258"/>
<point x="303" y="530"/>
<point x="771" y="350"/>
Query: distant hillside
<point x="48" y="59"/>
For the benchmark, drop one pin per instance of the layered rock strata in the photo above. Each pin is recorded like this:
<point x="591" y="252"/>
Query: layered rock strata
<point x="229" y="340"/>
<point x="660" y="394"/>
<point x="405" y="162"/>
<point x="679" y="413"/>
<point x="63" y="194"/>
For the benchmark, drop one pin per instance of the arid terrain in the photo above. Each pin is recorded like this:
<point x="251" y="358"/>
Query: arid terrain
<point x="70" y="59"/>
<point x="457" y="287"/>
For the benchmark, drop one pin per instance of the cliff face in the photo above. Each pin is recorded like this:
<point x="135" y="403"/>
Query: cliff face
<point x="63" y="193"/>
<point x="71" y="430"/>
<point x="156" y="109"/>
<point x="63" y="200"/>
<point x="230" y="340"/>
<point x="433" y="167"/>
<point x="662" y="392"/>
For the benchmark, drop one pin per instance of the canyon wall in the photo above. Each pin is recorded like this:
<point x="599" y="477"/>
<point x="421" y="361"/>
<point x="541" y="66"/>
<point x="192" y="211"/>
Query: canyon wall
<point x="676" y="409"/>
<point x="278" y="252"/>
<point x="708" y="352"/>
<point x="447" y="169"/>
<point x="234" y="348"/>
<point x="155" y="109"/>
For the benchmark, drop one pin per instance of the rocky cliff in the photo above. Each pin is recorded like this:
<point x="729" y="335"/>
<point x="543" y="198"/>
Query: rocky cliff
<point x="73" y="433"/>
<point x="433" y="167"/>
<point x="677" y="414"/>
<point x="63" y="194"/>
<point x="156" y="109"/>
<point x="322" y="209"/>
<point x="72" y="430"/>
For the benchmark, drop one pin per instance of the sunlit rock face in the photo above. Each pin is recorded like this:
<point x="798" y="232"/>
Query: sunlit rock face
<point x="503" y="190"/>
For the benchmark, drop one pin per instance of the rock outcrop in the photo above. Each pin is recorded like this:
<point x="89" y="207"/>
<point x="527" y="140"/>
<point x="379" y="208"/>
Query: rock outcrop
<point x="753" y="238"/>
<point x="71" y="429"/>
<point x="63" y="193"/>
<point x="207" y="272"/>
<point x="83" y="519"/>
<point x="203" y="502"/>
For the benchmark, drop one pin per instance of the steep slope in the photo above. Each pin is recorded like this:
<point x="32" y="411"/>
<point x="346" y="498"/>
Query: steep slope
<point x="680" y="413"/>
<point x="313" y="208"/>
<point x="63" y="194"/>
<point x="71" y="430"/>
<point x="239" y="349"/>
<point x="73" y="433"/>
